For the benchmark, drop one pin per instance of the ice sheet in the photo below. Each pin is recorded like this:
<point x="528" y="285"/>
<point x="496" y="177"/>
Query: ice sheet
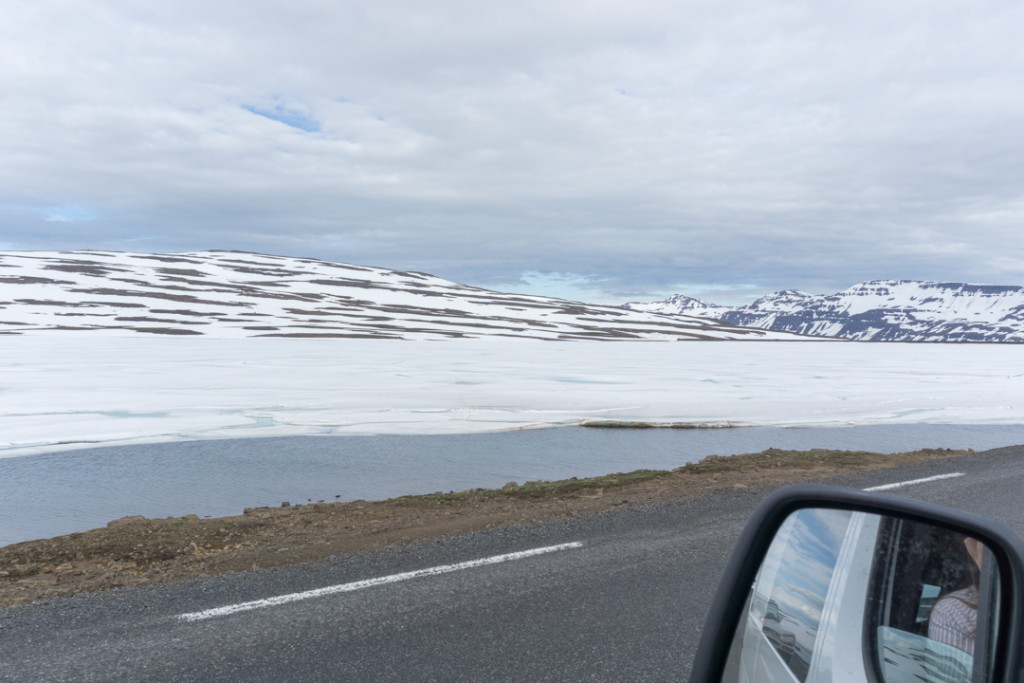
<point x="74" y="390"/>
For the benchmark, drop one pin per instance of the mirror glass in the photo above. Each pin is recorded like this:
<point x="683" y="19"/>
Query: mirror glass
<point x="850" y="596"/>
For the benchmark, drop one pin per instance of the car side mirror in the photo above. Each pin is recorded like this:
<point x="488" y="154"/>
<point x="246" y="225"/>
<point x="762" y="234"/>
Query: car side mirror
<point x="830" y="584"/>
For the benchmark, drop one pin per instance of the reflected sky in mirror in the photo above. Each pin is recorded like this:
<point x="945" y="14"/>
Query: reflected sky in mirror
<point x="794" y="581"/>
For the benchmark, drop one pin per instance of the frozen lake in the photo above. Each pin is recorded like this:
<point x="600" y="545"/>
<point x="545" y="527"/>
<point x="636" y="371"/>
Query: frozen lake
<point x="78" y="390"/>
<point x="57" y="493"/>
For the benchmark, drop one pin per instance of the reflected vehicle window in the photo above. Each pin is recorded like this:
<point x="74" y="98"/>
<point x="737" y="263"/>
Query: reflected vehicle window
<point x="789" y="595"/>
<point x="928" y="614"/>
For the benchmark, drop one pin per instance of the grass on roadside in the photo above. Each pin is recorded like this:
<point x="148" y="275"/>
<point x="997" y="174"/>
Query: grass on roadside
<point x="773" y="459"/>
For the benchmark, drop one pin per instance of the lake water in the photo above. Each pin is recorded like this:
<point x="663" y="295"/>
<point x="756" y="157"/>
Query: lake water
<point x="59" y="493"/>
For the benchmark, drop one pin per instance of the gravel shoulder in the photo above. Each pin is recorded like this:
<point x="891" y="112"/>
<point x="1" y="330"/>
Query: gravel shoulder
<point x="135" y="551"/>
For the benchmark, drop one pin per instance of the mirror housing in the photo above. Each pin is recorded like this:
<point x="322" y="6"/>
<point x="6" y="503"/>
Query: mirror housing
<point x="731" y="598"/>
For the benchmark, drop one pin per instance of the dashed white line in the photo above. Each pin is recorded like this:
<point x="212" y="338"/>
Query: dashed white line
<point x="367" y="583"/>
<point x="900" y="484"/>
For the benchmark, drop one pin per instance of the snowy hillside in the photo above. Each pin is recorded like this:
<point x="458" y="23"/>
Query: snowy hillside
<point x="887" y="310"/>
<point x="232" y="294"/>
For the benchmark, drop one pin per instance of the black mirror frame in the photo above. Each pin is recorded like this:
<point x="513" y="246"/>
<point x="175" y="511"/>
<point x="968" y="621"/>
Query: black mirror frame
<point x="745" y="560"/>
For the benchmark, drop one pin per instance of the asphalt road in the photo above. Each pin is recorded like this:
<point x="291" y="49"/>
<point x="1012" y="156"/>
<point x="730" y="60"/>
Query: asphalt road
<point x="627" y="604"/>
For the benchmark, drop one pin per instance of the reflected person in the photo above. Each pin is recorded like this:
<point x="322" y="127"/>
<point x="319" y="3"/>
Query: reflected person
<point x="954" y="618"/>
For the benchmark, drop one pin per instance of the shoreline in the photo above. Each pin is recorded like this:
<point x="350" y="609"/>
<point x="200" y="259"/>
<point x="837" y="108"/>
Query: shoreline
<point x="219" y="478"/>
<point x="136" y="551"/>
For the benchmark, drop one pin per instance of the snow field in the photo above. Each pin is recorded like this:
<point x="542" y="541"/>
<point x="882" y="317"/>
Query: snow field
<point x="74" y="390"/>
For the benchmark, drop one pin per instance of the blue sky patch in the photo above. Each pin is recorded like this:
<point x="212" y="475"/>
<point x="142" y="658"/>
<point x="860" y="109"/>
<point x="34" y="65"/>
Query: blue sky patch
<point x="68" y="213"/>
<point x="287" y="116"/>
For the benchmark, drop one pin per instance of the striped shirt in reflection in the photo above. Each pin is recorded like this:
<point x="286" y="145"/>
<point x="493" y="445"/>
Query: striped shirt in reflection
<point x="954" y="619"/>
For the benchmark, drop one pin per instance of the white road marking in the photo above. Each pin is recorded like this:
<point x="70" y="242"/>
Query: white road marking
<point x="367" y="583"/>
<point x="900" y="484"/>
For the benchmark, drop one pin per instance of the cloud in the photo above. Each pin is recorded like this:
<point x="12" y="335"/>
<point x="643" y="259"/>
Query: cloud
<point x="767" y="143"/>
<point x="571" y="286"/>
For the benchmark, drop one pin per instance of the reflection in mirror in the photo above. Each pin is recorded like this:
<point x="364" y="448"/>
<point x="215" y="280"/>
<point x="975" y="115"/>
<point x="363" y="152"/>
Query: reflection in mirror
<point x="849" y="596"/>
<point x="927" y="607"/>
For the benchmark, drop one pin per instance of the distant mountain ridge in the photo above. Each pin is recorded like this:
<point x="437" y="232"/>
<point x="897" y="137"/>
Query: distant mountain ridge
<point x="878" y="310"/>
<point x="680" y="304"/>
<point x="239" y="294"/>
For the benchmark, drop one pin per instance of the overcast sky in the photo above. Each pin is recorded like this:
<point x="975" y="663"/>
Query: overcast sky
<point x="604" y="151"/>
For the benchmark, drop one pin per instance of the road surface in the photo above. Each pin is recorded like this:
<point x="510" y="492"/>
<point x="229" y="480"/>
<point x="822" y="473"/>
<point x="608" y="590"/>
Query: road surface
<point x="614" y="596"/>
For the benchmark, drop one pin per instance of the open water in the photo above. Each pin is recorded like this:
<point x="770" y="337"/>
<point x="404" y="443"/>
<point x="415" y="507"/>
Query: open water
<point x="58" y="493"/>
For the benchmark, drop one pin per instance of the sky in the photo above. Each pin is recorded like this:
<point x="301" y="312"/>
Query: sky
<point x="601" y="151"/>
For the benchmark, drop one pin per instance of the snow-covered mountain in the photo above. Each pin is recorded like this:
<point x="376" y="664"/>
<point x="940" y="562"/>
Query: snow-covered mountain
<point x="236" y="294"/>
<point x="680" y="304"/>
<point x="888" y="310"/>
